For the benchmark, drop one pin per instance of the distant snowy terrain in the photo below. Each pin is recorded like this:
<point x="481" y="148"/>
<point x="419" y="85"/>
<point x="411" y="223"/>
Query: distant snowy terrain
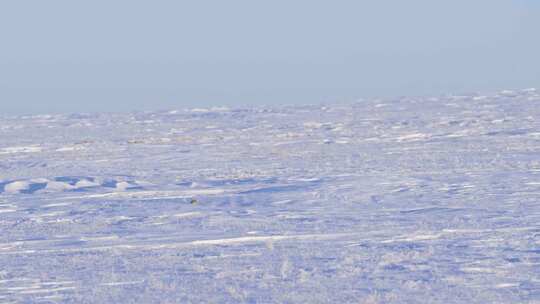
<point x="412" y="200"/>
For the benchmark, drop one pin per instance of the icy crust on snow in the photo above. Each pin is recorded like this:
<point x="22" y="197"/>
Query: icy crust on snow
<point x="382" y="201"/>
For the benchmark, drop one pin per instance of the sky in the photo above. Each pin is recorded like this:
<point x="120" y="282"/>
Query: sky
<point x="64" y="56"/>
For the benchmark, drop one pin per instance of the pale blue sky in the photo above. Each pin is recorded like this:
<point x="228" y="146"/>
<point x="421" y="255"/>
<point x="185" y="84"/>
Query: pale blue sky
<point x="121" y="55"/>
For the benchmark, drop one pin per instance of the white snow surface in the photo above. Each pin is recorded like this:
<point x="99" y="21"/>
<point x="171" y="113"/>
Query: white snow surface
<point x="408" y="200"/>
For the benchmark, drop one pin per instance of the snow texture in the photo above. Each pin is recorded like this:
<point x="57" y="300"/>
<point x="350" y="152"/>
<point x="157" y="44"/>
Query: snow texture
<point x="411" y="200"/>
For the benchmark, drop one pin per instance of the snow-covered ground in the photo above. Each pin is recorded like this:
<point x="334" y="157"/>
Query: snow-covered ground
<point x="412" y="200"/>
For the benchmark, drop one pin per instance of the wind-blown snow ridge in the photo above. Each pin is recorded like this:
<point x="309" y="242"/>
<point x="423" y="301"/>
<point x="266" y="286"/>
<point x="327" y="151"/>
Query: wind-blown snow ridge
<point x="402" y="200"/>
